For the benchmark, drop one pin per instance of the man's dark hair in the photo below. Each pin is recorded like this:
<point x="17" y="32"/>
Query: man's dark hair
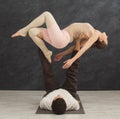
<point x="59" y="106"/>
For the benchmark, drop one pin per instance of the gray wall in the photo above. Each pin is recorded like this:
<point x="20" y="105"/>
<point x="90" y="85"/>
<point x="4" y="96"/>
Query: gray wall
<point x="20" y="67"/>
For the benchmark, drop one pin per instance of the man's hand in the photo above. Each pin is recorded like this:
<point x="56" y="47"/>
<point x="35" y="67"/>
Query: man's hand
<point x="67" y="63"/>
<point x="58" y="57"/>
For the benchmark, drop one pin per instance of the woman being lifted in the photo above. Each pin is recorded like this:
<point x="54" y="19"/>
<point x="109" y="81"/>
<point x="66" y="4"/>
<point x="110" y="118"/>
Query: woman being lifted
<point x="83" y="33"/>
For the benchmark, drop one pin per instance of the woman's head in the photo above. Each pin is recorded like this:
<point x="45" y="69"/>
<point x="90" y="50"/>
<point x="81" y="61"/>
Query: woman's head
<point x="102" y="41"/>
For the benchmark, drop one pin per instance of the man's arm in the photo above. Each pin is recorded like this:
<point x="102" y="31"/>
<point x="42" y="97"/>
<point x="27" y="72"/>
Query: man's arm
<point x="45" y="104"/>
<point x="60" y="55"/>
<point x="69" y="50"/>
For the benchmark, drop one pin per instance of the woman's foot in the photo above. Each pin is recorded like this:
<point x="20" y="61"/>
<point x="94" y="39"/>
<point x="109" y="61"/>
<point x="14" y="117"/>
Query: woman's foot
<point x="48" y="56"/>
<point x="19" y="33"/>
<point x="16" y="34"/>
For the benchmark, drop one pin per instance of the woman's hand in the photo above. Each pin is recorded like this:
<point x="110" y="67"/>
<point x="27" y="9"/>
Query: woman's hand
<point x="67" y="63"/>
<point x="59" y="56"/>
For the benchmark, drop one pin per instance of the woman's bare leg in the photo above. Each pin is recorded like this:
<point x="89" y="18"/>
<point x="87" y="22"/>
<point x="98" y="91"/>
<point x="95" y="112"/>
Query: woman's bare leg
<point x="39" y="42"/>
<point x="44" y="18"/>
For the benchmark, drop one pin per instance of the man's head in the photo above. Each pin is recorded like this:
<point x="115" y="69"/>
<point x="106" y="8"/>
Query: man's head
<point x="59" y="105"/>
<point x="102" y="41"/>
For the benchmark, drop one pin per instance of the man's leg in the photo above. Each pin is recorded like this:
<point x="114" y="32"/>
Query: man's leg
<point x="70" y="83"/>
<point x="50" y="83"/>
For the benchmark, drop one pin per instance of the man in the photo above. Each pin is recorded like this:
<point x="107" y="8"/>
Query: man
<point x="60" y="98"/>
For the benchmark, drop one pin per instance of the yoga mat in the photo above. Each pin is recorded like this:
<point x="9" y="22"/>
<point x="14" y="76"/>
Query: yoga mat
<point x="80" y="111"/>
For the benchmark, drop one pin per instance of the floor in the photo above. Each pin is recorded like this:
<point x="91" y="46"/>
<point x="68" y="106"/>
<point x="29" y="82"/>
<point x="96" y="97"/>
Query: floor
<point x="23" y="105"/>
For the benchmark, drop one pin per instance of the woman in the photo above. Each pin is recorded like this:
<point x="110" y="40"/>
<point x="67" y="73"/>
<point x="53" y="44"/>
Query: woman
<point x="83" y="33"/>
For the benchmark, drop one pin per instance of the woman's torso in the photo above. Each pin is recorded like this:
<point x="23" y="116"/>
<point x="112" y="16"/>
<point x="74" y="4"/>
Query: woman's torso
<point x="82" y="31"/>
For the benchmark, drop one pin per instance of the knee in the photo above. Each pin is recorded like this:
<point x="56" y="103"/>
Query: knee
<point x="33" y="32"/>
<point x="47" y="13"/>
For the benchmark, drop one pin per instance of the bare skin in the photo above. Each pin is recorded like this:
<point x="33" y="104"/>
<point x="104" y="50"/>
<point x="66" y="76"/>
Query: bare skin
<point x="90" y="36"/>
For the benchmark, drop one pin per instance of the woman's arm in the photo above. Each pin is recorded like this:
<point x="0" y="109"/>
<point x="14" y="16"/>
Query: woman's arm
<point x="87" y="45"/>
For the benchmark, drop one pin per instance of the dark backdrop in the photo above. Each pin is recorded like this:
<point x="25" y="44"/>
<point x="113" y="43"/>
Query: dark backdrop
<point x="20" y="67"/>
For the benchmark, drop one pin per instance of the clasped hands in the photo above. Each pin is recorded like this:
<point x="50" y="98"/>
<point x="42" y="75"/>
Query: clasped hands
<point x="67" y="63"/>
